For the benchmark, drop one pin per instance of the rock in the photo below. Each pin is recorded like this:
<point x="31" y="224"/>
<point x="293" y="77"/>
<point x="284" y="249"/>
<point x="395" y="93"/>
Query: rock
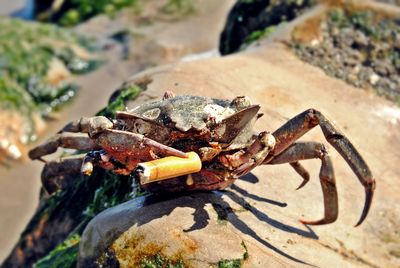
<point x="261" y="209"/>
<point x="195" y="230"/>
<point x="284" y="86"/>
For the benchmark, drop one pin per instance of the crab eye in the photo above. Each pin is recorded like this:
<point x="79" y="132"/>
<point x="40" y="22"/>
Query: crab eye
<point x="241" y="102"/>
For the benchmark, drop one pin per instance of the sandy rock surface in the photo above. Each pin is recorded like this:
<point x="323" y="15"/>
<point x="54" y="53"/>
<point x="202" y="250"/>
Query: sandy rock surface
<point x="195" y="231"/>
<point x="285" y="86"/>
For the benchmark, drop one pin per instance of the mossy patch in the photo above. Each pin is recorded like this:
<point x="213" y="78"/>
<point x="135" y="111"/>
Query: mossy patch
<point x="260" y="34"/>
<point x="72" y="12"/>
<point x="160" y="261"/>
<point x="63" y="256"/>
<point x="30" y="51"/>
<point x="125" y="94"/>
<point x="36" y="61"/>
<point x="132" y="250"/>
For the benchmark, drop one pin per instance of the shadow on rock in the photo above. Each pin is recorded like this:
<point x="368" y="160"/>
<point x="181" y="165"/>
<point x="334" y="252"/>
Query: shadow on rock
<point x="106" y="227"/>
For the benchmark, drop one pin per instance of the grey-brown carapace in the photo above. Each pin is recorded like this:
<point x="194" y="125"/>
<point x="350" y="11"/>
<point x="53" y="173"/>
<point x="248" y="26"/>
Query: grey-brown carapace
<point x="219" y="131"/>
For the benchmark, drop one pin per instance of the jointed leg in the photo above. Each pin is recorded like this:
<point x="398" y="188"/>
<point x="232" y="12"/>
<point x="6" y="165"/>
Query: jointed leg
<point x="244" y="161"/>
<point x="302" y="123"/>
<point x="312" y="150"/>
<point x="302" y="172"/>
<point x="90" y="125"/>
<point x="77" y="141"/>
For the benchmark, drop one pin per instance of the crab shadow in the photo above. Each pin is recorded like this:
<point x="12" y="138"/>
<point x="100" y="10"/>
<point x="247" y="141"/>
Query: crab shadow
<point x="111" y="223"/>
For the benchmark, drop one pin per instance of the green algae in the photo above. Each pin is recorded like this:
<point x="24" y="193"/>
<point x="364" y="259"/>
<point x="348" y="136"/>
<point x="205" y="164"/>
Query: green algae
<point x="126" y="93"/>
<point x="27" y="51"/>
<point x="160" y="261"/>
<point x="72" y="12"/>
<point x="63" y="256"/>
<point x="260" y="34"/>
<point x="13" y="96"/>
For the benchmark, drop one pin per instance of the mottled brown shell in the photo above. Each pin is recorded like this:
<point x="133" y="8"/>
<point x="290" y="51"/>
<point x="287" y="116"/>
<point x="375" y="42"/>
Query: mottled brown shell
<point x="185" y="112"/>
<point x="223" y="120"/>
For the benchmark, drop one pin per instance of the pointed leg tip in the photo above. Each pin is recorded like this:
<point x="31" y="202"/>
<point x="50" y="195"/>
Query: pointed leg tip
<point x="302" y="185"/>
<point x="306" y="222"/>
<point x="369" y="193"/>
<point x="319" y="222"/>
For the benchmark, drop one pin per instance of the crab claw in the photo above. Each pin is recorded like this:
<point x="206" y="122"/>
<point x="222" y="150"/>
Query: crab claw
<point x="235" y="123"/>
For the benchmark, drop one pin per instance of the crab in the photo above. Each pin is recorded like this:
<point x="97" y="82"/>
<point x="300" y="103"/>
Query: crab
<point x="219" y="131"/>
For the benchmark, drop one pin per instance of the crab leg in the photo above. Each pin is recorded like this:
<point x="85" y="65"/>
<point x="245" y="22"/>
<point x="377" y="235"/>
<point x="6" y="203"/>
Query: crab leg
<point x="302" y="123"/>
<point x="119" y="140"/>
<point x="244" y="162"/>
<point x="310" y="150"/>
<point x="66" y="140"/>
<point x="98" y="158"/>
<point x="90" y="125"/>
<point x="302" y="172"/>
